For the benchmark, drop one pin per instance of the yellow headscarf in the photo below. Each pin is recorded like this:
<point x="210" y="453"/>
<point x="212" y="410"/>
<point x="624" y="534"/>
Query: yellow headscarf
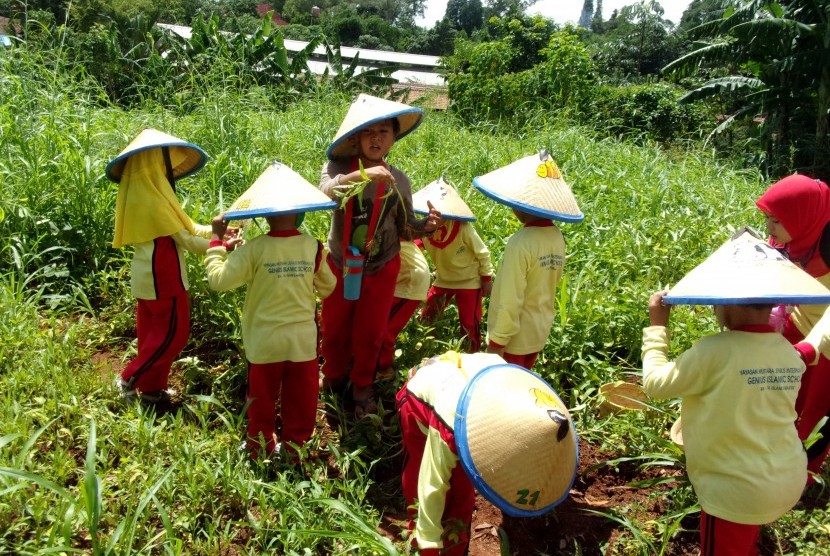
<point x="146" y="206"/>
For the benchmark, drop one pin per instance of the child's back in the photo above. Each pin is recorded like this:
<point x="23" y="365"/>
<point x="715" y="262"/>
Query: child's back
<point x="522" y="305"/>
<point x="743" y="454"/>
<point x="282" y="270"/>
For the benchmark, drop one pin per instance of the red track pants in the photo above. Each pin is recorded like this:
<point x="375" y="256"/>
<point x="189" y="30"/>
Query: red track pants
<point x="402" y="310"/>
<point x="296" y="386"/>
<point x="526" y="361"/>
<point x="460" y="501"/>
<point x="162" y="326"/>
<point x="813" y="402"/>
<point x="719" y="537"/>
<point x="469" y="311"/>
<point x="354" y="330"/>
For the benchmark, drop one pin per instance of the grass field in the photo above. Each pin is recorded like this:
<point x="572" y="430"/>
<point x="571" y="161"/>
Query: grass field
<point x="83" y="472"/>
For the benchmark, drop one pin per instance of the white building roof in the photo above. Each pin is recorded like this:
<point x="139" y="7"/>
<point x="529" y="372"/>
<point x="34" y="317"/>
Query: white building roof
<point x="416" y="68"/>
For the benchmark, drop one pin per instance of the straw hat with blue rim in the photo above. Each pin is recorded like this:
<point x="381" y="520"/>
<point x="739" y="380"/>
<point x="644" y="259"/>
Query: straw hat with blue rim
<point x="533" y="185"/>
<point x="278" y="191"/>
<point x="747" y="270"/>
<point x="516" y="440"/>
<point x="185" y="158"/>
<point x="367" y="110"/>
<point x="445" y="199"/>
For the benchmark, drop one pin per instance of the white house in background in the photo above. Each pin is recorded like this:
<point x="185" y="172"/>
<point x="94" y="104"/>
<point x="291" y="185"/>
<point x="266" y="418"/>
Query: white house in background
<point x="414" y="69"/>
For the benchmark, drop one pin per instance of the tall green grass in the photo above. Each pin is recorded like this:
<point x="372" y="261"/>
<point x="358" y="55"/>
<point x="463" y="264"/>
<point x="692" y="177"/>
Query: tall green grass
<point x="82" y="472"/>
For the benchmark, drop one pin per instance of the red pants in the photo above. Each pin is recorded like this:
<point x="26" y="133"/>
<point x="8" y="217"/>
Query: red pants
<point x="402" y="310"/>
<point x="296" y="386"/>
<point x="526" y="361"/>
<point x="813" y="402"/>
<point x="354" y="330"/>
<point x="460" y="498"/>
<point x="719" y="537"/>
<point x="163" y="326"/>
<point x="469" y="311"/>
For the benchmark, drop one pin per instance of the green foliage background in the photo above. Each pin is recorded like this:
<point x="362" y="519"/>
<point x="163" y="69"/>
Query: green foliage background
<point x="82" y="472"/>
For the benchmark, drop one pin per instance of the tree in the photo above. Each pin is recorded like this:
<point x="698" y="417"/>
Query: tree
<point x="777" y="56"/>
<point x="637" y="41"/>
<point x="585" y="16"/>
<point x="465" y="15"/>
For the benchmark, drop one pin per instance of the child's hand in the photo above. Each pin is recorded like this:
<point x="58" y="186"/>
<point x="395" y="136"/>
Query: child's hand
<point x="658" y="311"/>
<point x="486" y="287"/>
<point x="233" y="243"/>
<point x="493" y="349"/>
<point x="219" y="226"/>
<point x="380" y="174"/>
<point x="433" y="219"/>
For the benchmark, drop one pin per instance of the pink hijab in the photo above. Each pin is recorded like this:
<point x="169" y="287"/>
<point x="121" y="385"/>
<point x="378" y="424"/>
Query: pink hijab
<point x="802" y="205"/>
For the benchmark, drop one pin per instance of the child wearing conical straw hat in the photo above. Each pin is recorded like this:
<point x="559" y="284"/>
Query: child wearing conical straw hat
<point x="463" y="269"/>
<point x="281" y="269"/>
<point x="472" y="422"/>
<point x="148" y="217"/>
<point x="521" y="309"/>
<point x="738" y="388"/>
<point x="375" y="212"/>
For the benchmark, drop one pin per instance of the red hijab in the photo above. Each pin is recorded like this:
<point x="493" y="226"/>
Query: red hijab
<point x="802" y="205"/>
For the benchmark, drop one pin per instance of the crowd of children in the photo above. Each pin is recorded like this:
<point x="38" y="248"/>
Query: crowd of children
<point x="372" y="276"/>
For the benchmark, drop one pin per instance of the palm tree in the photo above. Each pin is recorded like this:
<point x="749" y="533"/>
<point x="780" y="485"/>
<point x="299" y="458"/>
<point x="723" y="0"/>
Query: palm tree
<point x="777" y="57"/>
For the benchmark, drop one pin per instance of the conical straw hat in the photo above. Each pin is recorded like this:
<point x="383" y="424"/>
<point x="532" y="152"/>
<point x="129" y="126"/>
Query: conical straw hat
<point x="278" y="190"/>
<point x="532" y="185"/>
<point x="367" y="110"/>
<point x="516" y="440"/>
<point x="445" y="198"/>
<point x="186" y="157"/>
<point x="747" y="270"/>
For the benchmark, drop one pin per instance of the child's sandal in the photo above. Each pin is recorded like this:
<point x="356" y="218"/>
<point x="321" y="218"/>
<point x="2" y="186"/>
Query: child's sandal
<point x="365" y="406"/>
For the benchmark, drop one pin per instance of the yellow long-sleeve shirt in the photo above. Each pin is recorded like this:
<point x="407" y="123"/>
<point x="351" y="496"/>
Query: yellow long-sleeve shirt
<point x="459" y="255"/>
<point x="743" y="454"/>
<point x="439" y="385"/>
<point x="413" y="277"/>
<point x="144" y="275"/>
<point x="278" y="318"/>
<point x="522" y="305"/>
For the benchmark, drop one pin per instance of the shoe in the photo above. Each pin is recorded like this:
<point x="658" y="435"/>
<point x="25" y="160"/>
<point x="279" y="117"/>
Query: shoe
<point x="385" y="374"/>
<point x="125" y="389"/>
<point x="159" y="397"/>
<point x="364" y="405"/>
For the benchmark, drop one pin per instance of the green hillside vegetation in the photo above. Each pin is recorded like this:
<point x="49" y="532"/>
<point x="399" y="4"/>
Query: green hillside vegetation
<point x="83" y="472"/>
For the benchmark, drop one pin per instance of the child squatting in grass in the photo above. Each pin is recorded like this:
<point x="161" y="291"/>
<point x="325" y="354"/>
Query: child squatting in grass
<point x="282" y="269"/>
<point x="738" y="390"/>
<point x="472" y="422"/>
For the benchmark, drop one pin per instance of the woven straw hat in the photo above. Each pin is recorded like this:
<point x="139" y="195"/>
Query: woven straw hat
<point x="533" y="185"/>
<point x="367" y="110"/>
<point x="445" y="198"/>
<point x="747" y="270"/>
<point x="516" y="440"/>
<point x="186" y="157"/>
<point x="278" y="190"/>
